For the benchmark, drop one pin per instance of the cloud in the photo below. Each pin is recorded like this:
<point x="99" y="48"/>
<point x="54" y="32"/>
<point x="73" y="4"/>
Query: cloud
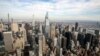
<point x="56" y="8"/>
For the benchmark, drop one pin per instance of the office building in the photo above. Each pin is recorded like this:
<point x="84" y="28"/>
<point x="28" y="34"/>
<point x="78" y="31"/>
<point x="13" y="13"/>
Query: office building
<point x="8" y="41"/>
<point x="47" y="25"/>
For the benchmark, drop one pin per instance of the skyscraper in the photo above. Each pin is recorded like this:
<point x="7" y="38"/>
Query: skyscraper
<point x="47" y="25"/>
<point x="9" y="23"/>
<point x="8" y="41"/>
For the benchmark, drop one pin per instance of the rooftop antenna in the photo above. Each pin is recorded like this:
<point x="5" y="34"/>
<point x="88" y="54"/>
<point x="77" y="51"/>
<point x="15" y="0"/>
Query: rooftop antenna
<point x="46" y="17"/>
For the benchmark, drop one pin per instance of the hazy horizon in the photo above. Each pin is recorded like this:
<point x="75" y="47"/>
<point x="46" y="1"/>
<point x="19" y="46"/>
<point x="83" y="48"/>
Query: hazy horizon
<point x="57" y="9"/>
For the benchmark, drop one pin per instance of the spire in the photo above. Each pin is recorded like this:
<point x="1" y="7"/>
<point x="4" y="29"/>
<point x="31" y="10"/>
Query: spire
<point x="8" y="18"/>
<point x="46" y="17"/>
<point x="8" y="23"/>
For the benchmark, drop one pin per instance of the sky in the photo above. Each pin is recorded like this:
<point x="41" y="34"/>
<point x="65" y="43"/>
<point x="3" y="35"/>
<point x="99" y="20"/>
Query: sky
<point x="57" y="9"/>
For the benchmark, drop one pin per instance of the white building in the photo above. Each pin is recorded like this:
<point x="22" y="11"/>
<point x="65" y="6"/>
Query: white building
<point x="8" y="41"/>
<point x="13" y="42"/>
<point x="40" y="45"/>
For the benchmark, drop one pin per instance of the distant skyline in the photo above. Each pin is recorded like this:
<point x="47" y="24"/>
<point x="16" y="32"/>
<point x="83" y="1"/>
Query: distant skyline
<point x="57" y="9"/>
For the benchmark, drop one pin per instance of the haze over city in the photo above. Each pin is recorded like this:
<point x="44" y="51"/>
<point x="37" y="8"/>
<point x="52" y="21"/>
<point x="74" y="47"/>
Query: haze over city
<point x="57" y="9"/>
<point x="49" y="27"/>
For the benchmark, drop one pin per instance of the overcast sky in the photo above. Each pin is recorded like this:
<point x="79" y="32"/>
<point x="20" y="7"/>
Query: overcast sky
<point x="57" y="9"/>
